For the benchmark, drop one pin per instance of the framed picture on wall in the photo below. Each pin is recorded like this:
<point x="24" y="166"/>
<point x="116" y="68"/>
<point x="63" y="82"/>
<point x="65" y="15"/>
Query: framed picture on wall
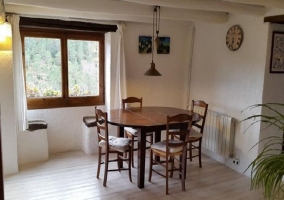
<point x="145" y="44"/>
<point x="277" y="53"/>
<point x="164" y="47"/>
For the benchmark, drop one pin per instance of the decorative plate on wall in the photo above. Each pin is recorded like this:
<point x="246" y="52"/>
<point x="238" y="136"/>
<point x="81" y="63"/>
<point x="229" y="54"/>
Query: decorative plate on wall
<point x="234" y="37"/>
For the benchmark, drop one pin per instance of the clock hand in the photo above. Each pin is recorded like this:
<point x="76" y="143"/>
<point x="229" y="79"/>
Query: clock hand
<point x="233" y="41"/>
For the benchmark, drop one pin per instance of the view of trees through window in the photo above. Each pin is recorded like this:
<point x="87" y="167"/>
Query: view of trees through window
<point x="83" y="68"/>
<point x="43" y="67"/>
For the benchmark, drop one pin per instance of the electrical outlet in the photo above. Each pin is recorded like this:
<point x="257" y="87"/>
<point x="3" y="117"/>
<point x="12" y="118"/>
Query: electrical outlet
<point x="236" y="161"/>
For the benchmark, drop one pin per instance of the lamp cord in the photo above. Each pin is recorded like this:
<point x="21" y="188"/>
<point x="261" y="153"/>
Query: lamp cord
<point x="155" y="11"/>
<point x="157" y="21"/>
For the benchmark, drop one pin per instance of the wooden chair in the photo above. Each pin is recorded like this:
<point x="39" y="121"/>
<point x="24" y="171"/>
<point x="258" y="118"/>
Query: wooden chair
<point x="131" y="133"/>
<point x="111" y="145"/>
<point x="195" y="136"/>
<point x="172" y="149"/>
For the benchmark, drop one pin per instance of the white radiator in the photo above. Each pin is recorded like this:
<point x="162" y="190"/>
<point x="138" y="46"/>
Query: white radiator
<point x="218" y="133"/>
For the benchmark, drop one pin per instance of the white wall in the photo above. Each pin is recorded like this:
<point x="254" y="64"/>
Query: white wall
<point x="273" y="87"/>
<point x="170" y="89"/>
<point x="231" y="81"/>
<point x="9" y="136"/>
<point x="64" y="130"/>
<point x="273" y="82"/>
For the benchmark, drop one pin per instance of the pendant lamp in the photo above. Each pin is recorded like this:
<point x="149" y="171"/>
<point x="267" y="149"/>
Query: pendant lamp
<point x="152" y="71"/>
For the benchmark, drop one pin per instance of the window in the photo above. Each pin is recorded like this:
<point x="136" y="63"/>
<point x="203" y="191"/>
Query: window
<point x="63" y="68"/>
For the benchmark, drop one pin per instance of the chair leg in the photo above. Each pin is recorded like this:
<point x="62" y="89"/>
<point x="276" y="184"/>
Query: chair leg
<point x="183" y="170"/>
<point x="132" y="151"/>
<point x="167" y="176"/>
<point x="118" y="161"/>
<point x="150" y="166"/>
<point x="129" y="163"/>
<point x="106" y="168"/>
<point x="172" y="160"/>
<point x="126" y="136"/>
<point x="190" y="152"/>
<point x="199" y="153"/>
<point x="151" y="139"/>
<point x="99" y="162"/>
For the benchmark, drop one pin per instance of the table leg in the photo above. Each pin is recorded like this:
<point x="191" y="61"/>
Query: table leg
<point x="141" y="158"/>
<point x="157" y="139"/>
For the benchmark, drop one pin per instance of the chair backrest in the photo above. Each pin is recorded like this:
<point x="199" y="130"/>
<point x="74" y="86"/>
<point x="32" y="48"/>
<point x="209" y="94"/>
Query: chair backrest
<point x="177" y="133"/>
<point x="204" y="105"/>
<point x="102" y="125"/>
<point x="131" y="100"/>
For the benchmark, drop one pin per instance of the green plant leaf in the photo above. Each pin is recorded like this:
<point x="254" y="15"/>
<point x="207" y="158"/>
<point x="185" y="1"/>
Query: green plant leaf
<point x="267" y="169"/>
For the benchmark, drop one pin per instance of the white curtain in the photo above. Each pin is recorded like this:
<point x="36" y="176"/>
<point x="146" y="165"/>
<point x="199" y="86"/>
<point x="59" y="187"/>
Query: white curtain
<point x="20" y="102"/>
<point x="115" y="69"/>
<point x="120" y="91"/>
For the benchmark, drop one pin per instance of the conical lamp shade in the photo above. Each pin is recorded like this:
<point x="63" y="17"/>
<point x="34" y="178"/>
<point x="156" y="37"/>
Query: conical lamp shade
<point x="152" y="71"/>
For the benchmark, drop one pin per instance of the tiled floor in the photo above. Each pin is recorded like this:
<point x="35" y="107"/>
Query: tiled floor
<point x="72" y="175"/>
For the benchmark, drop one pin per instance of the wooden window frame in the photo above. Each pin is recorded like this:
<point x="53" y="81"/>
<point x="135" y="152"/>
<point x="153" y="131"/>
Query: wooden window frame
<point x="65" y="100"/>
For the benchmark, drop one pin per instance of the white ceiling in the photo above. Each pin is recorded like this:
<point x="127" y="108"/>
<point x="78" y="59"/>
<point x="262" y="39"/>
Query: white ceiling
<point x="215" y="11"/>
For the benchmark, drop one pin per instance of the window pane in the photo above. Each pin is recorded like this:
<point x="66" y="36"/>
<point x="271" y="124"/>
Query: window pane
<point x="43" y="67"/>
<point x="83" y="68"/>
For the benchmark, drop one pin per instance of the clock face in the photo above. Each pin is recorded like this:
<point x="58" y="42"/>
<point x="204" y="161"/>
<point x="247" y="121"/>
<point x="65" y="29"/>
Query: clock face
<point x="234" y="38"/>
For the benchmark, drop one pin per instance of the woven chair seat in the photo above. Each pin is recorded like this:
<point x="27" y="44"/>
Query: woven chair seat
<point x="161" y="146"/>
<point x="134" y="131"/>
<point x="116" y="143"/>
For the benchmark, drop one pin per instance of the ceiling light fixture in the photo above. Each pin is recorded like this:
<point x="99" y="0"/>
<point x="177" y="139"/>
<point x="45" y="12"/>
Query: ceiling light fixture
<point x="152" y="71"/>
<point x="2" y="12"/>
<point x="5" y="37"/>
<point x="5" y="30"/>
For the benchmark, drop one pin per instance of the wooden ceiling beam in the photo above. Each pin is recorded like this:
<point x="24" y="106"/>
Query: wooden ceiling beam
<point x="108" y="10"/>
<point x="26" y="22"/>
<point x="278" y="19"/>
<point x="268" y="3"/>
<point x="207" y="5"/>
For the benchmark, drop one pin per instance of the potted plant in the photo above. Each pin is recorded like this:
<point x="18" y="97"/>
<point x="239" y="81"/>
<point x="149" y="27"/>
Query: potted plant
<point x="267" y="169"/>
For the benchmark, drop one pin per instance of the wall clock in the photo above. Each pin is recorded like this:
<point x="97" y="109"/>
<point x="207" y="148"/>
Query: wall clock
<point x="234" y="37"/>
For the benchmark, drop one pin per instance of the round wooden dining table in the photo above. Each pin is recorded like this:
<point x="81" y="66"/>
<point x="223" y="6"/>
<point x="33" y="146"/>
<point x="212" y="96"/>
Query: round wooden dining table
<point x="147" y="119"/>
